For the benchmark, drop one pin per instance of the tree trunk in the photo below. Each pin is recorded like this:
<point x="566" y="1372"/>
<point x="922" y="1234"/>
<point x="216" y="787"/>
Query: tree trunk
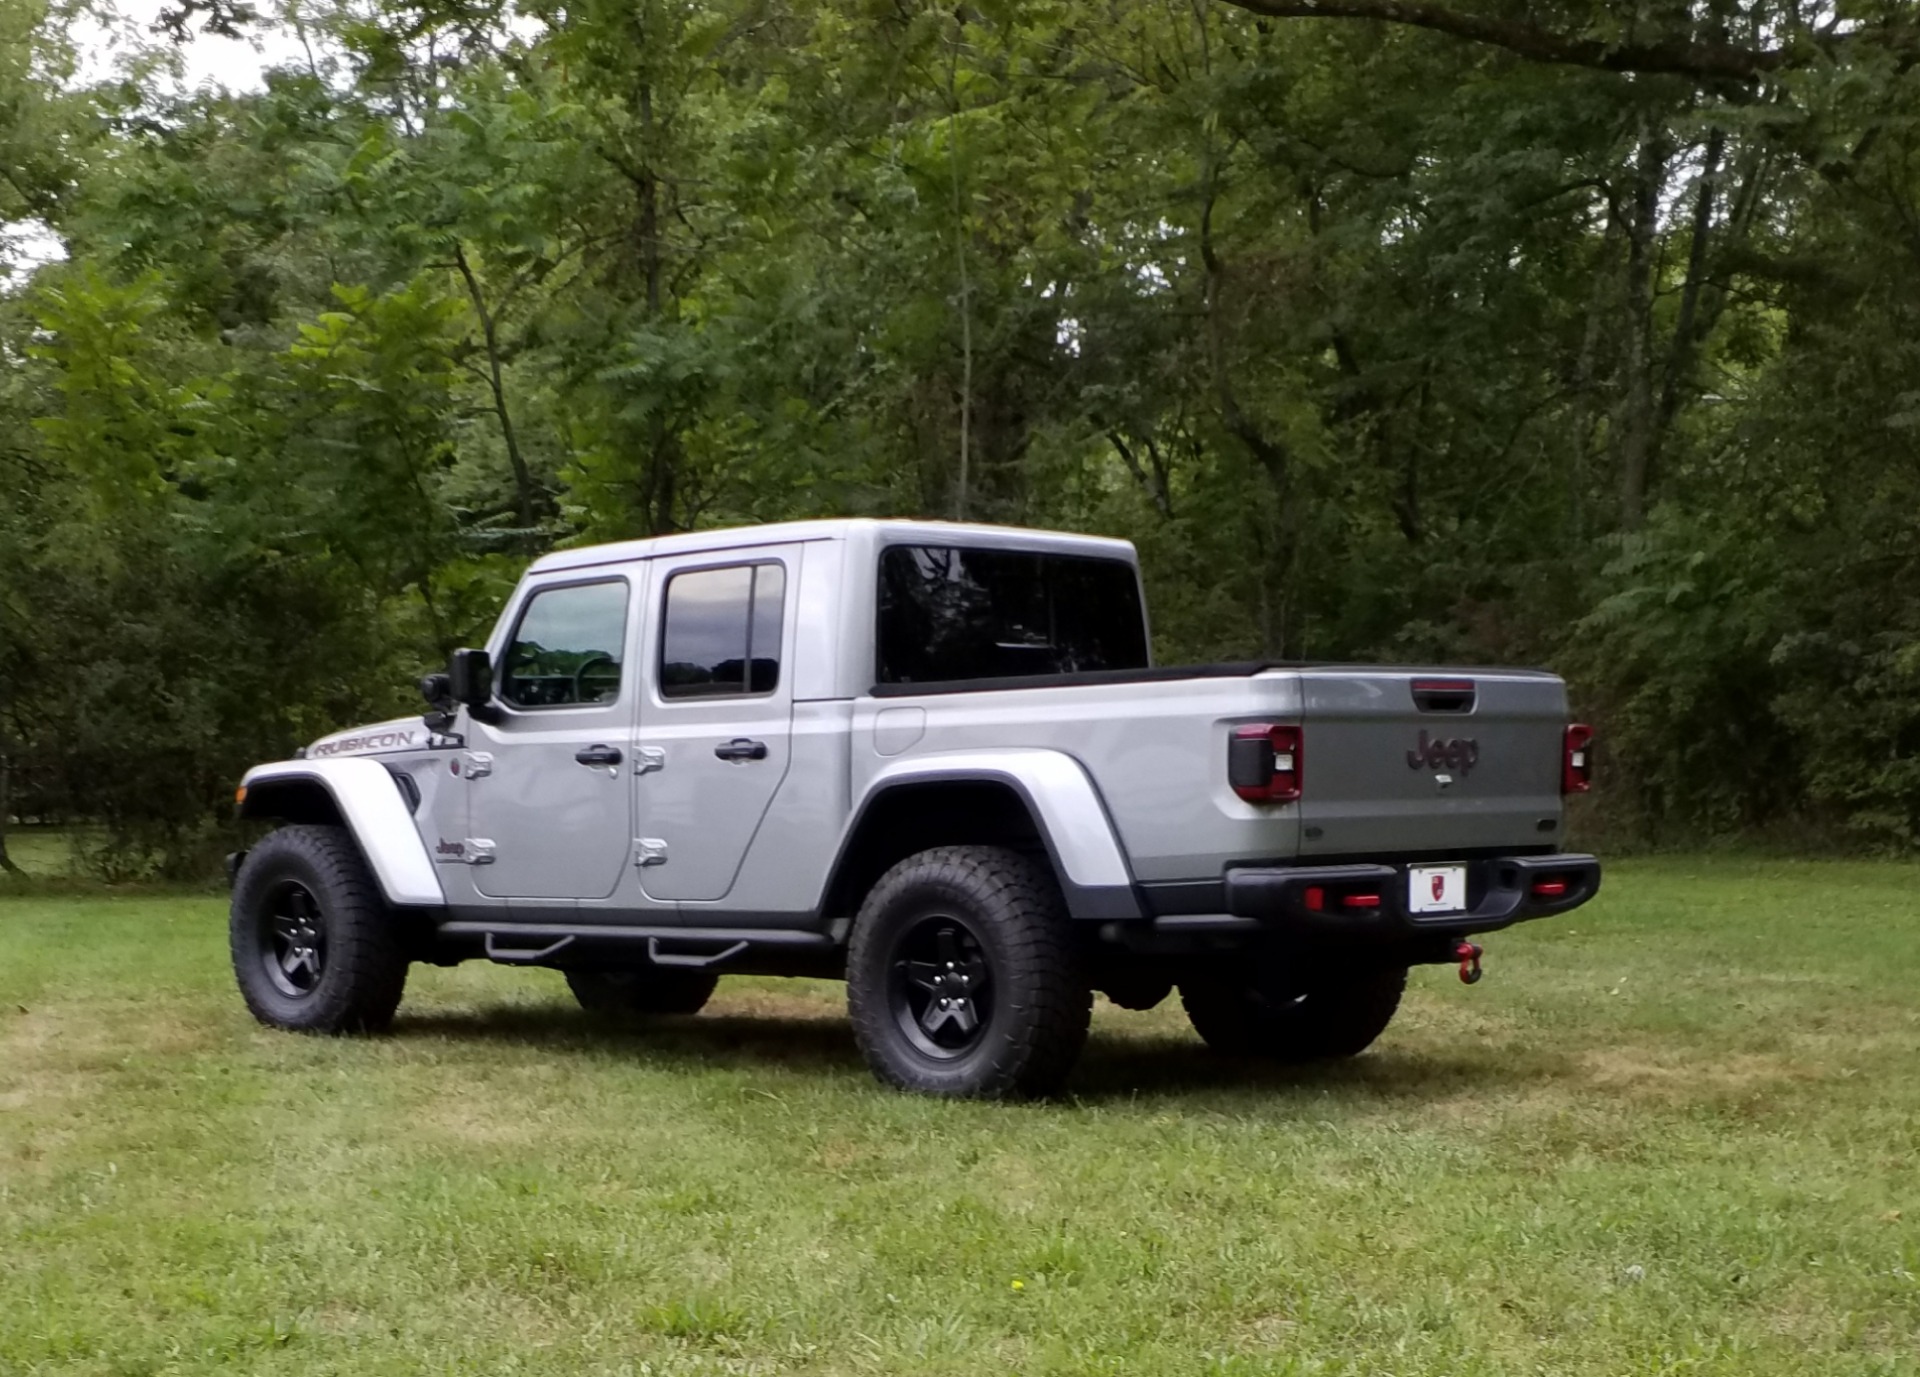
<point x="659" y="483"/>
<point x="1587" y="370"/>
<point x="1637" y="418"/>
<point x="522" y="477"/>
<point x="966" y="292"/>
<point x="1691" y="327"/>
<point x="6" y="810"/>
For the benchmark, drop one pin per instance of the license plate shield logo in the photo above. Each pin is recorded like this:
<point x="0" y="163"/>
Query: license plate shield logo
<point x="1437" y="889"/>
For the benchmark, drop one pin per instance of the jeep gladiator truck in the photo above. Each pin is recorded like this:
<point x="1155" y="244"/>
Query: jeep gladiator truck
<point x="936" y="760"/>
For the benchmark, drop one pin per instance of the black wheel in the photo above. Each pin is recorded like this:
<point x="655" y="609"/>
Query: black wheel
<point x="962" y="979"/>
<point x="642" y="993"/>
<point x="1298" y="1017"/>
<point x="314" y="948"/>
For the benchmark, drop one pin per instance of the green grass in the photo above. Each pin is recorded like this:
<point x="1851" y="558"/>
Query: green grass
<point x="41" y="852"/>
<point x="1677" y="1132"/>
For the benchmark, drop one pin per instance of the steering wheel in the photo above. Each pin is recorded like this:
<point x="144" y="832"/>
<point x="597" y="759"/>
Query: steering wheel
<point x="580" y="675"/>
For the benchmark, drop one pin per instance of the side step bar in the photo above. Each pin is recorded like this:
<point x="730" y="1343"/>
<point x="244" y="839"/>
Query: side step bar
<point x="532" y="944"/>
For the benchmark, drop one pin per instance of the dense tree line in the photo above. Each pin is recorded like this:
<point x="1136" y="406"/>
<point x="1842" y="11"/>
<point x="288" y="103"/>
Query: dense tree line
<point x="1569" y="333"/>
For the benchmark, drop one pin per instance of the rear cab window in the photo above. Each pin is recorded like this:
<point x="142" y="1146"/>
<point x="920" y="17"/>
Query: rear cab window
<point x="954" y="613"/>
<point x="720" y="636"/>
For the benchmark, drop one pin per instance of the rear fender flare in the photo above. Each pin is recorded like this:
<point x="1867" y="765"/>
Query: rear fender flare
<point x="1066" y="809"/>
<point x="370" y="806"/>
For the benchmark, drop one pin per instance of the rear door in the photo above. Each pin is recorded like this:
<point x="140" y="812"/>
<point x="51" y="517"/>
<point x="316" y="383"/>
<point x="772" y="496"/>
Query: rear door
<point x="717" y="720"/>
<point x="1401" y="762"/>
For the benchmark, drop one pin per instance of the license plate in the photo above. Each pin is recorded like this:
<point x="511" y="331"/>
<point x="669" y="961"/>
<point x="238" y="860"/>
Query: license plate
<point x="1437" y="889"/>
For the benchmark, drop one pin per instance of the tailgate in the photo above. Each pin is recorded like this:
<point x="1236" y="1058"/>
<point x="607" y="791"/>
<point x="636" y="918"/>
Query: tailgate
<point x="1409" y="762"/>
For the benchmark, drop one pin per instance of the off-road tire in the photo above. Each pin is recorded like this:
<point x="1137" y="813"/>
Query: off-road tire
<point x="1005" y="910"/>
<point x="1293" y="1019"/>
<point x="360" y="968"/>
<point x="646" y="992"/>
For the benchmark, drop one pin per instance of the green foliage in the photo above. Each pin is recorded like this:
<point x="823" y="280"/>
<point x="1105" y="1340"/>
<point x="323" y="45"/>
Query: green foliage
<point x="1379" y="342"/>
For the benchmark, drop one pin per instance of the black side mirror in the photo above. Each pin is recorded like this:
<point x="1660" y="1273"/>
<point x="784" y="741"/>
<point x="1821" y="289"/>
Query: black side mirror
<point x="470" y="678"/>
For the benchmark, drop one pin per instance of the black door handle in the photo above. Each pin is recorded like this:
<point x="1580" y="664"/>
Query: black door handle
<point x="741" y="749"/>
<point x="598" y="755"/>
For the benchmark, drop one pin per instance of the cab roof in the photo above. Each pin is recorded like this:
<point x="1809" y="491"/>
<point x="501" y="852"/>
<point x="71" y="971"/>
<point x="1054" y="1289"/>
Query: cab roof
<point x="863" y="530"/>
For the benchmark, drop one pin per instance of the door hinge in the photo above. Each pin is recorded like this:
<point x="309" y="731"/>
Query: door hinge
<point x="479" y="851"/>
<point x="477" y="764"/>
<point x="649" y="851"/>
<point x="647" y="759"/>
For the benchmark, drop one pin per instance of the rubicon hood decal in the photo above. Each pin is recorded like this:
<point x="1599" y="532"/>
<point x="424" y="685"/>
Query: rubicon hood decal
<point x="403" y="734"/>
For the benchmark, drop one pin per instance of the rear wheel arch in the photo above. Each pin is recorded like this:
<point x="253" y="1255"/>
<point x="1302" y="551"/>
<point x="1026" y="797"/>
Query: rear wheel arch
<point x="905" y="818"/>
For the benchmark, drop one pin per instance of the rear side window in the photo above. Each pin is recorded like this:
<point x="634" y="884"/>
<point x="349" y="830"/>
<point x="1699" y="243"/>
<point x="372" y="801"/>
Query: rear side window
<point x="722" y="631"/>
<point x="948" y="613"/>
<point x="566" y="651"/>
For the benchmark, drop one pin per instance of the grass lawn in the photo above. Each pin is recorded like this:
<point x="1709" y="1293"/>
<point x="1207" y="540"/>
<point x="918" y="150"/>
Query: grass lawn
<point x="1676" y="1132"/>
<point x="41" y="852"/>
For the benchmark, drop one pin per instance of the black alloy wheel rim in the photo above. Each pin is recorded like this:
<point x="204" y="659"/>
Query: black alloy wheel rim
<point x="293" y="940"/>
<point x="940" y="988"/>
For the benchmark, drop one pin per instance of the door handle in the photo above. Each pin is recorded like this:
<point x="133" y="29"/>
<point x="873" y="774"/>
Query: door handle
<point x="605" y="756"/>
<point x="740" y="749"/>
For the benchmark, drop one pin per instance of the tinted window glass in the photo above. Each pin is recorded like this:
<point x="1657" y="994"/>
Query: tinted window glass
<point x="567" y="648"/>
<point x="722" y="631"/>
<point x="949" y="613"/>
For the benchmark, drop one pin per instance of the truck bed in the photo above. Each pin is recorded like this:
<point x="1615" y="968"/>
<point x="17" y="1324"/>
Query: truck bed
<point x="1154" y="742"/>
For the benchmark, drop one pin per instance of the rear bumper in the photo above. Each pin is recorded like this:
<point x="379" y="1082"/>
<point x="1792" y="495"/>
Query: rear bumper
<point x="1310" y="900"/>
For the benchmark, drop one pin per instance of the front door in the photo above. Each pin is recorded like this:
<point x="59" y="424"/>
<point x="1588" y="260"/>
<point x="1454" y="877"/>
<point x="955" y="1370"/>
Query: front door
<point x="718" y="716"/>
<point x="555" y="798"/>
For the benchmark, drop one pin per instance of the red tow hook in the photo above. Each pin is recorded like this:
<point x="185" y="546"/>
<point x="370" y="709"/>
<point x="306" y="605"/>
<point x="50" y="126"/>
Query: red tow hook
<point x="1469" y="956"/>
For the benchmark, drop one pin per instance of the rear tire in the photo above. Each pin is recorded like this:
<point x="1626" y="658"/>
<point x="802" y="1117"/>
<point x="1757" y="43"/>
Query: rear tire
<point x="646" y="992"/>
<point x="314" y="948"/>
<point x="1293" y="1018"/>
<point x="962" y="979"/>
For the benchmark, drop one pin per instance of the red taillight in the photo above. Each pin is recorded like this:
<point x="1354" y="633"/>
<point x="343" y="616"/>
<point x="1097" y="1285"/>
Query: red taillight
<point x="1576" y="774"/>
<point x="1549" y="889"/>
<point x="1360" y="901"/>
<point x="1264" y="763"/>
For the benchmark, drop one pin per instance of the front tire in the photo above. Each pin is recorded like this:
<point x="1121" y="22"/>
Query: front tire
<point x="642" y="993"/>
<point x="1293" y="1017"/>
<point x="314" y="947"/>
<point x="962" y="979"/>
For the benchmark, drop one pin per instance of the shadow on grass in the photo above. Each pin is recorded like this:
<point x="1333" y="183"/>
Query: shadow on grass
<point x="1175" y="1068"/>
<point x="730" y="1040"/>
<point x="1112" y="1068"/>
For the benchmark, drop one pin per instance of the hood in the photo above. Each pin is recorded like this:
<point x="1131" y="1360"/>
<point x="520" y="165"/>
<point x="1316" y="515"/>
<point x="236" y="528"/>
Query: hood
<point x="381" y="738"/>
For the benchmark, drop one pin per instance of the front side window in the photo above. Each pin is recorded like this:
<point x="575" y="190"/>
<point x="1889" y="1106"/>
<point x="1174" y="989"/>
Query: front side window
<point x="950" y="614"/>
<point x="722" y="631"/>
<point x="567" y="649"/>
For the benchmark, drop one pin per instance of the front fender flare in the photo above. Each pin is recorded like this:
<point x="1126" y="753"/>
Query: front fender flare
<point x="371" y="806"/>
<point x="1065" y="805"/>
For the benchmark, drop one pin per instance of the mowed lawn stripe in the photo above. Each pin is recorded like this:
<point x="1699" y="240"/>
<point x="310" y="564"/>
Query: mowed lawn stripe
<point x="1673" y="1132"/>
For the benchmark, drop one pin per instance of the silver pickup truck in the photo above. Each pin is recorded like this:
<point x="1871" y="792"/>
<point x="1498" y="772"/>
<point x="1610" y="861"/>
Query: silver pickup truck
<point x="936" y="760"/>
